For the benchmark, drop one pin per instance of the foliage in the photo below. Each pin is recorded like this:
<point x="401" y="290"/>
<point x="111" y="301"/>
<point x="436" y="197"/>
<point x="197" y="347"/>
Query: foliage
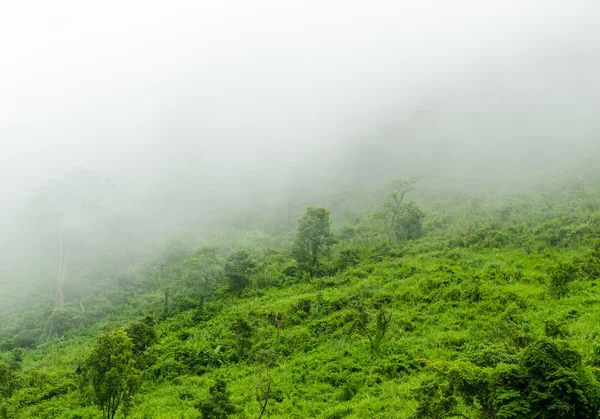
<point x="313" y="238"/>
<point x="461" y="321"/>
<point x="238" y="268"/>
<point x="549" y="381"/>
<point x="9" y="380"/>
<point x="59" y="322"/>
<point x="111" y="371"/>
<point x="243" y="333"/>
<point x="143" y="336"/>
<point x="217" y="405"/>
<point x="348" y="257"/>
<point x="560" y="277"/>
<point x="404" y="220"/>
<point x="374" y="329"/>
<point x="205" y="267"/>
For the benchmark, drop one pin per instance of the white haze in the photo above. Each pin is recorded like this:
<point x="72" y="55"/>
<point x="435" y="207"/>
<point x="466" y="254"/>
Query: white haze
<point x="197" y="106"/>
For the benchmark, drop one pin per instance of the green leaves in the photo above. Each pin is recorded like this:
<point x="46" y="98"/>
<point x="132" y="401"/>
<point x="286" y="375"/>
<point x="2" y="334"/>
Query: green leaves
<point x="548" y="382"/>
<point x="217" y="405"/>
<point x="560" y="277"/>
<point x="578" y="269"/>
<point x="467" y="300"/>
<point x="238" y="268"/>
<point x="404" y="221"/>
<point x="9" y="380"/>
<point x="204" y="267"/>
<point x="313" y="238"/>
<point x="143" y="336"/>
<point x="111" y="371"/>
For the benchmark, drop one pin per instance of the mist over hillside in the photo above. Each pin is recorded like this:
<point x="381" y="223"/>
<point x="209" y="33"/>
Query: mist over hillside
<point x="195" y="115"/>
<point x="335" y="209"/>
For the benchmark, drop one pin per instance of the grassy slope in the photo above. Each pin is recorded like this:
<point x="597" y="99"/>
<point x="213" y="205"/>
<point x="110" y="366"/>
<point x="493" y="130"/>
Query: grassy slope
<point x="477" y="279"/>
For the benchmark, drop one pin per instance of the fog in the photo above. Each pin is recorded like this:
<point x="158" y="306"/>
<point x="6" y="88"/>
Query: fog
<point x="196" y="111"/>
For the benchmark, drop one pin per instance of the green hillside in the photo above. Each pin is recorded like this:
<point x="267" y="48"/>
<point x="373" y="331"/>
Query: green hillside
<point x="471" y="305"/>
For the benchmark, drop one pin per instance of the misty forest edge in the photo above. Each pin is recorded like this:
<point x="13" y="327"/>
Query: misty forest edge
<point x="473" y="305"/>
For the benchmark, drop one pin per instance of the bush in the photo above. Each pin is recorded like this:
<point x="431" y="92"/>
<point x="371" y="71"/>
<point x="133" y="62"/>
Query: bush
<point x="217" y="405"/>
<point x="143" y="336"/>
<point x="9" y="380"/>
<point x="560" y="277"/>
<point x="348" y="257"/>
<point x="59" y="322"/>
<point x="238" y="268"/>
<point x="548" y="382"/>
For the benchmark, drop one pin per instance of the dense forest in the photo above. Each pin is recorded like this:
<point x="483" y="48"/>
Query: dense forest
<point x="404" y="302"/>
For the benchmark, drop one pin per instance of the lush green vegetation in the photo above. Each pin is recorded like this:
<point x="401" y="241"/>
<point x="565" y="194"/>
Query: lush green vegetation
<point x="470" y="305"/>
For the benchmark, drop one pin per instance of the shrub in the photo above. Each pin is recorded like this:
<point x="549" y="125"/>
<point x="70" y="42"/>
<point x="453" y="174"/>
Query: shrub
<point x="217" y="405"/>
<point x="238" y="268"/>
<point x="560" y="277"/>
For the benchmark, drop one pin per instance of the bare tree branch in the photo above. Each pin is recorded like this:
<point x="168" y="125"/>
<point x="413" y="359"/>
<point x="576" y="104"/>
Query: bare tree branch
<point x="265" y="393"/>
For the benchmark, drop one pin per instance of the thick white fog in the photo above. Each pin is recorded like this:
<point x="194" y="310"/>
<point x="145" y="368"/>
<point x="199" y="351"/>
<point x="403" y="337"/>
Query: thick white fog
<point x="241" y="87"/>
<point x="194" y="110"/>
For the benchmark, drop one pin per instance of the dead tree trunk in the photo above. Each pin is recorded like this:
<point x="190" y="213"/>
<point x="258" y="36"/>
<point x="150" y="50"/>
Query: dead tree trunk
<point x="62" y="271"/>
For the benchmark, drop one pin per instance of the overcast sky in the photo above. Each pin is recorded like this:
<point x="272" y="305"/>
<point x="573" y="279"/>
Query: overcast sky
<point x="132" y="87"/>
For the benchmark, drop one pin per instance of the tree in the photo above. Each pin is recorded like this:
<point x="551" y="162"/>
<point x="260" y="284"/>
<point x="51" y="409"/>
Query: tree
<point x="217" y="405"/>
<point x="110" y="368"/>
<point x="59" y="322"/>
<point x="67" y="218"/>
<point x="238" y="268"/>
<point x="548" y="382"/>
<point x="313" y="238"/>
<point x="204" y="266"/>
<point x="559" y="386"/>
<point x="143" y="336"/>
<point x="403" y="219"/>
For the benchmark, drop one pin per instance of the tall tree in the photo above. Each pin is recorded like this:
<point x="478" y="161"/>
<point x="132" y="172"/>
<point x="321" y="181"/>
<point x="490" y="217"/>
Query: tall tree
<point x="313" y="238"/>
<point x="69" y="213"/>
<point x="62" y="270"/>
